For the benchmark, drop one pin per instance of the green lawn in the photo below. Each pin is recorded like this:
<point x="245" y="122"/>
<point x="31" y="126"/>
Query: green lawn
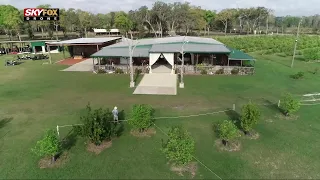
<point x="36" y="97"/>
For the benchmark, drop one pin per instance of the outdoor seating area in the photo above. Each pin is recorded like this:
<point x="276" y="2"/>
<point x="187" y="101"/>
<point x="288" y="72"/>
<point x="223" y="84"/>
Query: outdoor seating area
<point x="34" y="57"/>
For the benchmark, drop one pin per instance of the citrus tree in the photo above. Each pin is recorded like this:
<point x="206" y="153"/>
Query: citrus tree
<point x="249" y="117"/>
<point x="97" y="125"/>
<point x="49" y="145"/>
<point x="179" y="147"/>
<point x="289" y="105"/>
<point x="227" y="131"/>
<point x="141" y="117"/>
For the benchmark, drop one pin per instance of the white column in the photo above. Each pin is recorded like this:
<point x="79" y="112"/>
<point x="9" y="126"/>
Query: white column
<point x="150" y="70"/>
<point x="192" y="58"/>
<point x="43" y="49"/>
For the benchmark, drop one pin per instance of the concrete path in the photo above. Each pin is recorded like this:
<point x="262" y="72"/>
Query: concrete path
<point x="158" y="84"/>
<point x="86" y="65"/>
<point x="161" y="68"/>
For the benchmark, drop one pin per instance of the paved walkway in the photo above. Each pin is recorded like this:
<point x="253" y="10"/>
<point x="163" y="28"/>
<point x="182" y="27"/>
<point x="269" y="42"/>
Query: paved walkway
<point x="70" y="61"/>
<point x="158" y="84"/>
<point x="86" y="65"/>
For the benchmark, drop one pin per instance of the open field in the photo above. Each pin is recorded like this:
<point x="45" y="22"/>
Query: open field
<point x="34" y="97"/>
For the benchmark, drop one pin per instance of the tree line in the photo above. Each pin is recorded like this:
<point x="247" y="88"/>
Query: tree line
<point x="162" y="18"/>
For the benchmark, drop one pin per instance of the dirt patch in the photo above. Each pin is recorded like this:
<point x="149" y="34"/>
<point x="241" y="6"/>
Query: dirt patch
<point x="269" y="120"/>
<point x="251" y="135"/>
<point x="287" y="118"/>
<point x="191" y="168"/>
<point x="148" y="133"/>
<point x="70" y="61"/>
<point x="231" y="146"/>
<point x="46" y="162"/>
<point x="91" y="147"/>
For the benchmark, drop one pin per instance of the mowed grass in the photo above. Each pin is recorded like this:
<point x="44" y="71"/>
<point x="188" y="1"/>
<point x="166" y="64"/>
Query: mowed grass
<point x="35" y="97"/>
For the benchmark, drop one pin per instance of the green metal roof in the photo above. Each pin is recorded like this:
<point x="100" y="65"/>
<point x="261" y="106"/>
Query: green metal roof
<point x="38" y="43"/>
<point x="239" y="55"/>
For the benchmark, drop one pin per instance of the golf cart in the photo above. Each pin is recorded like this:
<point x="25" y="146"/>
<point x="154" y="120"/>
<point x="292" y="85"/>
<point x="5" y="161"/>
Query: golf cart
<point x="11" y="63"/>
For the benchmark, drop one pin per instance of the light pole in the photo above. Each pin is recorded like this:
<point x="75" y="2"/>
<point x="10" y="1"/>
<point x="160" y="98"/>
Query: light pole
<point x="131" y="50"/>
<point x="181" y="85"/>
<point x="295" y="44"/>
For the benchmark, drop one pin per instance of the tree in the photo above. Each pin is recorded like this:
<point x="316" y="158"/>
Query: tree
<point x="97" y="125"/>
<point x="48" y="146"/>
<point x="160" y="14"/>
<point x="227" y="131"/>
<point x="10" y="20"/>
<point x="249" y="117"/>
<point x="225" y="16"/>
<point x="209" y="17"/>
<point x="289" y="105"/>
<point x="122" y="22"/>
<point x="198" y="18"/>
<point x="141" y="117"/>
<point x="44" y="25"/>
<point x="85" y="21"/>
<point x="179" y="147"/>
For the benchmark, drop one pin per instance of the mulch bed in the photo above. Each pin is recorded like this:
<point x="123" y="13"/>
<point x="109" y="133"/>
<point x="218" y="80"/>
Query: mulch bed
<point x="71" y="61"/>
<point x="148" y="133"/>
<point x="91" y="147"/>
<point x="231" y="146"/>
<point x="288" y="118"/>
<point x="46" y="161"/>
<point x="190" y="168"/>
<point x="253" y="135"/>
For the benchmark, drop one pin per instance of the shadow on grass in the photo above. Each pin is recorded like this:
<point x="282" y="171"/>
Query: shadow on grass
<point x="5" y="121"/>
<point x="69" y="141"/>
<point x="301" y="58"/>
<point x="120" y="127"/>
<point x="235" y="117"/>
<point x="122" y="115"/>
<point x="119" y="130"/>
<point x="273" y="106"/>
<point x="279" y="62"/>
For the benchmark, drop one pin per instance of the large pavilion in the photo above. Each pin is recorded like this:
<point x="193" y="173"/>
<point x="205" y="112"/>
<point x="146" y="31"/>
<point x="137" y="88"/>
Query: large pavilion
<point x="85" y="47"/>
<point x="152" y="53"/>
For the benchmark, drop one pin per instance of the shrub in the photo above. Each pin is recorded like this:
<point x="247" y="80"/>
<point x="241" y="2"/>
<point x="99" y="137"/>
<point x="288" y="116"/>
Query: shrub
<point x="220" y="71"/>
<point x="201" y="66"/>
<point x="203" y="71"/>
<point x="101" y="71"/>
<point x="48" y="146"/>
<point x="118" y="71"/>
<point x="179" y="147"/>
<point x="249" y="117"/>
<point x="299" y="75"/>
<point x="289" y="105"/>
<point x="311" y="54"/>
<point x="97" y="125"/>
<point x="235" y="71"/>
<point x="227" y="131"/>
<point x="141" y="117"/>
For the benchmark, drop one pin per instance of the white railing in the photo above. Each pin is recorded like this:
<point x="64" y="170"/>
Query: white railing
<point x="190" y="69"/>
<point x="124" y="68"/>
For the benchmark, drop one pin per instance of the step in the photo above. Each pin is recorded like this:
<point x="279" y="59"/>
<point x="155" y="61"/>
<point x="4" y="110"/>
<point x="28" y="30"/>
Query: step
<point x="155" y="90"/>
